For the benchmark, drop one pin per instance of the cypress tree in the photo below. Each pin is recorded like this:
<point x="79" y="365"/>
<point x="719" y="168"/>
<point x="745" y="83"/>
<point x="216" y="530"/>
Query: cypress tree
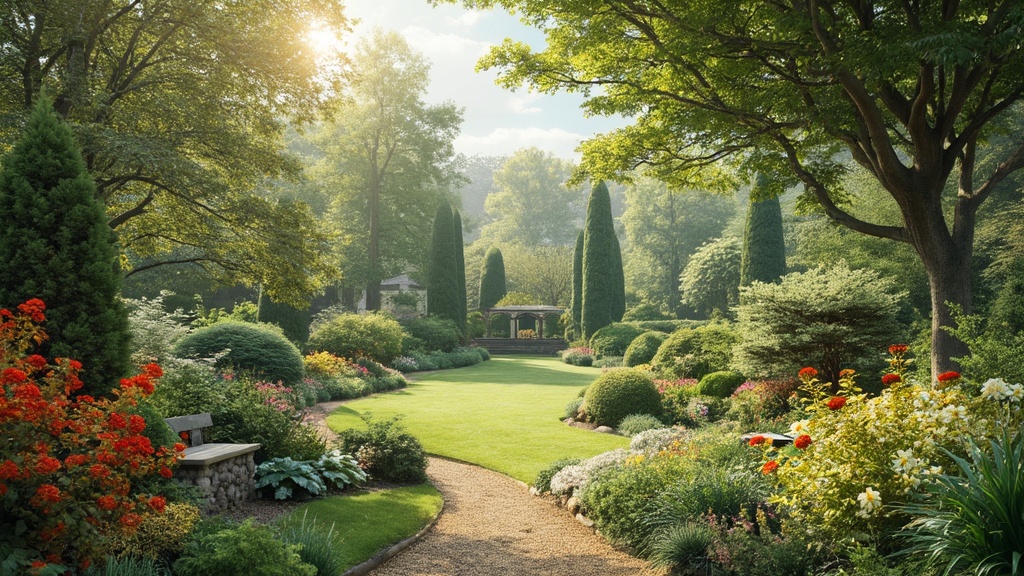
<point x="576" y="305"/>
<point x="293" y="321"/>
<point x="56" y="245"/>
<point x="442" y="282"/>
<point x="460" y="269"/>
<point x="764" y="248"/>
<point x="602" y="281"/>
<point x="619" y="280"/>
<point x="492" y="278"/>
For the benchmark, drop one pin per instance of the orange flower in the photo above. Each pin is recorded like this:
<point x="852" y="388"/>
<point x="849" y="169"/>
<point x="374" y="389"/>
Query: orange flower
<point x="845" y="373"/>
<point x="106" y="503"/>
<point x="9" y="470"/>
<point x="807" y="373"/>
<point x="948" y="376"/>
<point x="48" y="493"/>
<point x="13" y="376"/>
<point x="769" y="467"/>
<point x="130" y="520"/>
<point x="756" y="440"/>
<point x="802" y="441"/>
<point x="836" y="402"/>
<point x="136" y="423"/>
<point x="890" y="379"/>
<point x="158" y="503"/>
<point x="47" y="465"/>
<point x="897" y="349"/>
<point x="166" y="472"/>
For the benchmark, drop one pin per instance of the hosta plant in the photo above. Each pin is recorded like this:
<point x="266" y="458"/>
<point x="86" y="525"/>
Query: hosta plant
<point x="289" y="478"/>
<point x="339" y="470"/>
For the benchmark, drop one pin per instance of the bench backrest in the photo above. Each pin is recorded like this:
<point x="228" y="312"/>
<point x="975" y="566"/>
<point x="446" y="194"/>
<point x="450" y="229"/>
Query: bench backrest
<point x="193" y="424"/>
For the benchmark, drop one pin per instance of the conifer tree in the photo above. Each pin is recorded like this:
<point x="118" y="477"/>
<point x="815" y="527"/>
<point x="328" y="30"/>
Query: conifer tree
<point x="602" y="277"/>
<point x="56" y="245"/>
<point x="442" y="282"/>
<point x="619" y="279"/>
<point x="492" y="279"/>
<point x="576" y="305"/>
<point x="460" y="269"/>
<point x="764" y="248"/>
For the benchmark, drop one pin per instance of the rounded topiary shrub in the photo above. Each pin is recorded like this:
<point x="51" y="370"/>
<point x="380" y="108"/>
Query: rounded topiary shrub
<point x="619" y="393"/>
<point x="613" y="339"/>
<point x="375" y="336"/>
<point x="434" y="333"/>
<point x="720" y="384"/>
<point x="693" y="353"/>
<point x="260" y="349"/>
<point x="643" y="348"/>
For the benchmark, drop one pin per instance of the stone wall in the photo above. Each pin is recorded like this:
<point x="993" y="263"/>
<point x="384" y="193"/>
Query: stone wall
<point x="227" y="483"/>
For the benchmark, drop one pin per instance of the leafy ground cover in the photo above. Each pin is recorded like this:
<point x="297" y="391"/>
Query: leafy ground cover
<point x="367" y="522"/>
<point x="503" y="414"/>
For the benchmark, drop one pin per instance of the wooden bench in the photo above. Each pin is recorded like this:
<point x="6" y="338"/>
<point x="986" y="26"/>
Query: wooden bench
<point x="225" y="472"/>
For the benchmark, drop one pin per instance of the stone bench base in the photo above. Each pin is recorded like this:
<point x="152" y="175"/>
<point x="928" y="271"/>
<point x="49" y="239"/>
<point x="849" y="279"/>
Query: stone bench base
<point x="224" y="472"/>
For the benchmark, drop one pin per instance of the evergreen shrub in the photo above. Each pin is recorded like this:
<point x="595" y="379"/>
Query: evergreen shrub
<point x="720" y="384"/>
<point x="636" y="423"/>
<point x="693" y="353"/>
<point x="375" y="336"/>
<point x="434" y="333"/>
<point x="619" y="393"/>
<point x="386" y="451"/>
<point x="643" y="348"/>
<point x="259" y="349"/>
<point x="613" y="339"/>
<point x="246" y="549"/>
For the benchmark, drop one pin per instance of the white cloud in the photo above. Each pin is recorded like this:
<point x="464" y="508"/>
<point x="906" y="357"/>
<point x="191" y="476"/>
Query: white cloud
<point x="520" y="103"/>
<point x="443" y="44"/>
<point x="505" y="141"/>
<point x="466" y="20"/>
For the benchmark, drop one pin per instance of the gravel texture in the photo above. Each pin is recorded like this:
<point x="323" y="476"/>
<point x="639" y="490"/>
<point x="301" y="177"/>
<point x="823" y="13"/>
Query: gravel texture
<point x="492" y="526"/>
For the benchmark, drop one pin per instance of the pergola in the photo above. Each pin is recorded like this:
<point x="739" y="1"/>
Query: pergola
<point x="514" y="313"/>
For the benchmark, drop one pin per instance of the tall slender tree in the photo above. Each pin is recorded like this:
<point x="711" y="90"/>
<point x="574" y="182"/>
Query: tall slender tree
<point x="602" y="276"/>
<point x="460" y="268"/>
<point x="442" y="282"/>
<point x="764" y="247"/>
<point x="576" y="307"/>
<point x="492" y="279"/>
<point x="56" y="245"/>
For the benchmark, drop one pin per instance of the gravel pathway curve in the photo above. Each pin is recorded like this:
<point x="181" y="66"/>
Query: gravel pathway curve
<point x="491" y="526"/>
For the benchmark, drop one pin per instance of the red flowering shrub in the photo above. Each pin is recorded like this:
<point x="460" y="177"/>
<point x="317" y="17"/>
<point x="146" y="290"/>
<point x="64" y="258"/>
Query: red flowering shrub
<point x="67" y="463"/>
<point x="890" y="379"/>
<point x="836" y="402"/>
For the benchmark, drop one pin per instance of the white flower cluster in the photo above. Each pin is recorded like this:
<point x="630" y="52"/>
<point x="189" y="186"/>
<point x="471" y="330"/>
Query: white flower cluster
<point x="997" y="389"/>
<point x="650" y="442"/>
<point x="869" y="500"/>
<point x="573" y="478"/>
<point x="912" y="469"/>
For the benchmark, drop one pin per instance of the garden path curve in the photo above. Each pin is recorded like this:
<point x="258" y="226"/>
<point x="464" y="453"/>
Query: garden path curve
<point x="491" y="526"/>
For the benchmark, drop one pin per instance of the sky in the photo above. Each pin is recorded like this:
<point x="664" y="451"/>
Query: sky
<point x="496" y="121"/>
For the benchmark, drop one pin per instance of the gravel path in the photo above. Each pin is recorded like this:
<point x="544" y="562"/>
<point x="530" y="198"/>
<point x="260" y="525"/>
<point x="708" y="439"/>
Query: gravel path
<point x="492" y="526"/>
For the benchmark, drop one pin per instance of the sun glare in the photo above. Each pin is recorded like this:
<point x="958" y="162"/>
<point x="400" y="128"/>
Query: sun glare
<point x="323" y="40"/>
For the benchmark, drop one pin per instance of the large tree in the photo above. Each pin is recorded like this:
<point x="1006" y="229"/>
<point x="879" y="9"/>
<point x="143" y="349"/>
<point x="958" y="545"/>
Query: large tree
<point x="603" y="298"/>
<point x="492" y="279"/>
<point x="55" y="245"/>
<point x="531" y="203"/>
<point x="388" y="158"/>
<point x="764" y="247"/>
<point x="663" y="228"/>
<point x="179" y="106"/>
<point x="442" y="280"/>
<point x="908" y="90"/>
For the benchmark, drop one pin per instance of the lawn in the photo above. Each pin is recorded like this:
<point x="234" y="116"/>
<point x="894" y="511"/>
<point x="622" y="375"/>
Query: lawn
<point x="368" y="522"/>
<point x="502" y="414"/>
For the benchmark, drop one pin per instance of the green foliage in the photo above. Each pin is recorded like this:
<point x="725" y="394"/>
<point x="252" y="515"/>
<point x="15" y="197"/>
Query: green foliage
<point x="762" y="405"/>
<point x="574" y="330"/>
<point x="127" y="566"/>
<point x="711" y="490"/>
<point x="293" y="321"/>
<point x="710" y="282"/>
<point x="460" y="270"/>
<point x="259" y="349"/>
<point x="56" y="245"/>
<point x="157" y="430"/>
<point x="608" y="362"/>
<point x="543" y="481"/>
<point x="613" y="339"/>
<point x="826" y="317"/>
<point x="767" y="554"/>
<point x="543" y="272"/>
<point x="973" y="519"/>
<point x="386" y="451"/>
<point x="764" y="248"/>
<point x="645" y="311"/>
<point x="492" y="278"/>
<point x="619" y="393"/>
<point x="289" y="479"/>
<point x="636" y="423"/>
<point x="375" y="336"/>
<point x="154" y="331"/>
<point x="720" y="384"/>
<point x="160" y="535"/>
<point x="442" y="280"/>
<point x="643" y="348"/>
<point x="339" y="470"/>
<point x="317" y="547"/>
<point x="578" y="356"/>
<point x="602" y="267"/>
<point x="434" y="333"/>
<point x="1007" y="313"/>
<point x="683" y="547"/>
<point x="663" y="227"/>
<point x="219" y="550"/>
<point x="692" y="353"/>
<point x="572" y="409"/>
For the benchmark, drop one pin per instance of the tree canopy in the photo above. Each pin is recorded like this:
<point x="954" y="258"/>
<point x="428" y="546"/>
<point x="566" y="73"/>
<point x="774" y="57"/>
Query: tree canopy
<point x="909" y="90"/>
<point x="179" y="107"/>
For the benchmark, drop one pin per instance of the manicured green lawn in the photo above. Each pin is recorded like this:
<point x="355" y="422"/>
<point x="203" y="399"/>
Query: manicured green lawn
<point x="502" y="414"/>
<point x="369" y="522"/>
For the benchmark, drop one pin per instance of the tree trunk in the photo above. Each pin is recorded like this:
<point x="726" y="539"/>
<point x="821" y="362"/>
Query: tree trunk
<point x="373" y="283"/>
<point x="373" y="295"/>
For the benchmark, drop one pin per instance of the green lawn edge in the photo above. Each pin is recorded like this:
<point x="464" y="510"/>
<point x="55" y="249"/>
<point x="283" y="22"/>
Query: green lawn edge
<point x="367" y="523"/>
<point x="504" y="414"/>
